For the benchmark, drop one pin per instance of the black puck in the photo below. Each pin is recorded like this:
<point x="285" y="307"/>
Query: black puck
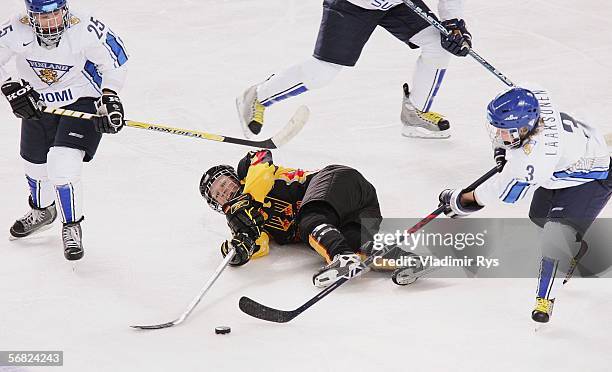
<point x="223" y="330"/>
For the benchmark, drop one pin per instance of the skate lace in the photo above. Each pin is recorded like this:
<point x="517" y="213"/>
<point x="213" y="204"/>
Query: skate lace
<point x="258" y="111"/>
<point x="70" y="235"/>
<point x="430" y="116"/>
<point x="33" y="217"/>
<point x="542" y="305"/>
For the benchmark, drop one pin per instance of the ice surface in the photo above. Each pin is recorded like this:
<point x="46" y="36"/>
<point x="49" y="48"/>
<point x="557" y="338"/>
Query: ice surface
<point x="151" y="242"/>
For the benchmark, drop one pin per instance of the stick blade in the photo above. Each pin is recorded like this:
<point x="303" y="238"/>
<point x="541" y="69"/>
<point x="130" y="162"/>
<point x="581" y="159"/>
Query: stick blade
<point x="293" y="127"/>
<point x="263" y="312"/>
<point x="157" y="326"/>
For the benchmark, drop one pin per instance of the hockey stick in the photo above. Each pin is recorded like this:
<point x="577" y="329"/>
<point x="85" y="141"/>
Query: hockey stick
<point x="295" y="124"/>
<point x="257" y="310"/>
<point x="197" y="299"/>
<point x="575" y="260"/>
<point x="434" y="22"/>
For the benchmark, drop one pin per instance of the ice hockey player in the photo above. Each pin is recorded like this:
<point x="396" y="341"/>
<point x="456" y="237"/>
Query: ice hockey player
<point x="335" y="210"/>
<point x="345" y="28"/>
<point x="565" y="163"/>
<point x="71" y="61"/>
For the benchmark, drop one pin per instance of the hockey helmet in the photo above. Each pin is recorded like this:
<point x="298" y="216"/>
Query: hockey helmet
<point x="218" y="193"/>
<point x="510" y="114"/>
<point x="49" y="19"/>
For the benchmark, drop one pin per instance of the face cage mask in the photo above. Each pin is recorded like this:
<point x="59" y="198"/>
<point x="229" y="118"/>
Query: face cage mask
<point x="208" y="192"/>
<point x="51" y="32"/>
<point x="512" y="141"/>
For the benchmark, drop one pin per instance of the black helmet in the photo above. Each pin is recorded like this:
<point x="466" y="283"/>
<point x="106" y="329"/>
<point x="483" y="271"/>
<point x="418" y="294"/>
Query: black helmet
<point x="209" y="177"/>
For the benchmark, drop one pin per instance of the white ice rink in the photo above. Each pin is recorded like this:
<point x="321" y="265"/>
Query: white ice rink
<point x="151" y="242"/>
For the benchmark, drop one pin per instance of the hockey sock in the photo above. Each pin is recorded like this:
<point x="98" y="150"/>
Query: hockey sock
<point x="430" y="69"/>
<point x="546" y="278"/>
<point x="65" y="166"/>
<point x="317" y="226"/>
<point x="297" y="79"/>
<point x="41" y="189"/>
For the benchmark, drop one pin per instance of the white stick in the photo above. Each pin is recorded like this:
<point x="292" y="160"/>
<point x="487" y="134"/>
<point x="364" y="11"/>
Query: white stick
<point x="198" y="298"/>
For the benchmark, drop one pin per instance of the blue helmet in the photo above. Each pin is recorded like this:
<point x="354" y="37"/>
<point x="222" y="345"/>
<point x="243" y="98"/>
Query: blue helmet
<point x="511" y="111"/>
<point x="49" y="19"/>
<point x="44" y="6"/>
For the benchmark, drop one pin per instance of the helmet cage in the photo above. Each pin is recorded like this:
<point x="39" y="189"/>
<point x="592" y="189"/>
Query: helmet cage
<point x="209" y="178"/>
<point x="47" y="28"/>
<point x="508" y="138"/>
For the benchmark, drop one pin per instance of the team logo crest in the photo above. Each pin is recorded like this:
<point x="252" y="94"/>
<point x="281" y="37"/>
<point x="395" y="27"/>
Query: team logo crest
<point x="49" y="73"/>
<point x="528" y="147"/>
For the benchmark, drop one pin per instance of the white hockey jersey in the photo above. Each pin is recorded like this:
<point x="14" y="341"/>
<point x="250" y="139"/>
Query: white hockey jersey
<point x="89" y="57"/>
<point x="447" y="9"/>
<point x="563" y="152"/>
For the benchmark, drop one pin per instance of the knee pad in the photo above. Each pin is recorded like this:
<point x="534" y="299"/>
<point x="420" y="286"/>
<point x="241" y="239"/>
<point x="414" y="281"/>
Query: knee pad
<point x="318" y="74"/>
<point x="41" y="189"/>
<point x="64" y="166"/>
<point x="432" y="53"/>
<point x="560" y="242"/>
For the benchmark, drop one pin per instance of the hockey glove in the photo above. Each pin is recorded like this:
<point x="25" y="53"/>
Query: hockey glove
<point x="459" y="41"/>
<point x="499" y="154"/>
<point x="252" y="158"/>
<point x="451" y="199"/>
<point x="244" y="246"/>
<point x="243" y="216"/>
<point x="24" y="100"/>
<point x="110" y="109"/>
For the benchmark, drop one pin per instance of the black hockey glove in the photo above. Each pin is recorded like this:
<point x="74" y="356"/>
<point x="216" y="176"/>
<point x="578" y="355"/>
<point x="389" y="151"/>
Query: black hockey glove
<point x="499" y="154"/>
<point x="459" y="41"/>
<point x="243" y="216"/>
<point x="451" y="200"/>
<point x="244" y="246"/>
<point x="110" y="111"/>
<point x="25" y="101"/>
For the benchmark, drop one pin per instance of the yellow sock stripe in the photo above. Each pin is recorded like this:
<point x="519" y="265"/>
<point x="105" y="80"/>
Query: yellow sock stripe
<point x="319" y="248"/>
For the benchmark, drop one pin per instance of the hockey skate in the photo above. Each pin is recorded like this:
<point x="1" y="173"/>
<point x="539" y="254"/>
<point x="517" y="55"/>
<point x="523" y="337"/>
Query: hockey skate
<point x="543" y="310"/>
<point x="418" y="124"/>
<point x="394" y="259"/>
<point x="347" y="264"/>
<point x="72" y="238"/>
<point x="251" y="112"/>
<point x="36" y="220"/>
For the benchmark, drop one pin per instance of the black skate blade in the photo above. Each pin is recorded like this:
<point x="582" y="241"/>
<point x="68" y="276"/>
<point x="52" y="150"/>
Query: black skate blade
<point x="157" y="326"/>
<point x="263" y="312"/>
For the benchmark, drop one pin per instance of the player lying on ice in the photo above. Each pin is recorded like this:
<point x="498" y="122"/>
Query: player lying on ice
<point x="76" y="62"/>
<point x="562" y="161"/>
<point x="334" y="210"/>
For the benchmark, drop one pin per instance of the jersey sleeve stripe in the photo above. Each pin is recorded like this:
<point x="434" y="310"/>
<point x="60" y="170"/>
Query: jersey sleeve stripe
<point x="92" y="75"/>
<point x="592" y="175"/>
<point x="117" y="49"/>
<point x="516" y="192"/>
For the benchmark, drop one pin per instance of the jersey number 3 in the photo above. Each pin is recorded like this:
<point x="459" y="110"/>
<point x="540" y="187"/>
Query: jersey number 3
<point x="96" y="27"/>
